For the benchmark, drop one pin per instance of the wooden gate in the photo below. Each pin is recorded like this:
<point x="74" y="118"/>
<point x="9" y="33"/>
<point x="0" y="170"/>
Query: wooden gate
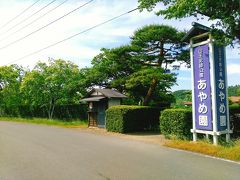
<point x="92" y="121"/>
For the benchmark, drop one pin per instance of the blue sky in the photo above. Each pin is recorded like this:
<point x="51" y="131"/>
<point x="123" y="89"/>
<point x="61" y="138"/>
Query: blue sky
<point x="233" y="70"/>
<point x="84" y="47"/>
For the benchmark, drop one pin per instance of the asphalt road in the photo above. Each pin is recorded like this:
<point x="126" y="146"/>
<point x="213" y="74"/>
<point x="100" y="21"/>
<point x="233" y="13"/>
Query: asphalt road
<point x="36" y="152"/>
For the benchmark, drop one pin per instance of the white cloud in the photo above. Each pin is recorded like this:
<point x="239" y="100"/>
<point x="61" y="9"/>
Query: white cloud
<point x="84" y="47"/>
<point x="232" y="53"/>
<point x="233" y="69"/>
<point x="184" y="78"/>
<point x="84" y="18"/>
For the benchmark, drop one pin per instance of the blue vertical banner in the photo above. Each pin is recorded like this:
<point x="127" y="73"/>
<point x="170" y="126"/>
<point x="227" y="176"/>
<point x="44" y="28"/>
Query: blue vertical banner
<point x="202" y="88"/>
<point x="221" y="88"/>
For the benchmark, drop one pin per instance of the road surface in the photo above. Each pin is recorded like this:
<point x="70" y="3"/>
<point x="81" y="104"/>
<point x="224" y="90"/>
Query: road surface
<point x="38" y="152"/>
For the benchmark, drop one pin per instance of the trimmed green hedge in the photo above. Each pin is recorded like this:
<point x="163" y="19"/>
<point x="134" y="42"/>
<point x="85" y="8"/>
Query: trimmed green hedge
<point x="176" y="122"/>
<point x="125" y="119"/>
<point x="234" y="112"/>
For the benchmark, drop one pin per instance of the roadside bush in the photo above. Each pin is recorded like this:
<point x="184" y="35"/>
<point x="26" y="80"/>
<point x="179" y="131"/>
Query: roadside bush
<point x="176" y="122"/>
<point x="234" y="112"/>
<point x="125" y="119"/>
<point x="62" y="112"/>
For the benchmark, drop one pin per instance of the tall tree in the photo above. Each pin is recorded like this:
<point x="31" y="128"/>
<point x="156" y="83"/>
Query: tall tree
<point x="139" y="68"/>
<point x="111" y="68"/>
<point x="139" y="83"/>
<point x="10" y="81"/>
<point x="226" y="12"/>
<point x="158" y="46"/>
<point x="58" y="82"/>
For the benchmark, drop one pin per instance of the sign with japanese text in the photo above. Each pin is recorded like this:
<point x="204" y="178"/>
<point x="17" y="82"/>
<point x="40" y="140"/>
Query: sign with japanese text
<point x="202" y="88"/>
<point x="221" y="100"/>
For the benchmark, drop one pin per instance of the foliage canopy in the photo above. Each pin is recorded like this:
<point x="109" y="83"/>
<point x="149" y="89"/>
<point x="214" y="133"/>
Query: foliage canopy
<point x="139" y="68"/>
<point x="58" y="82"/>
<point x="226" y="12"/>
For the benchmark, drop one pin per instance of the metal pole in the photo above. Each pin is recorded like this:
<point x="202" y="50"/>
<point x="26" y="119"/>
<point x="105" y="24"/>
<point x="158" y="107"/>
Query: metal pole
<point x="207" y="136"/>
<point x="226" y="80"/>
<point x="193" y="92"/>
<point x="213" y="90"/>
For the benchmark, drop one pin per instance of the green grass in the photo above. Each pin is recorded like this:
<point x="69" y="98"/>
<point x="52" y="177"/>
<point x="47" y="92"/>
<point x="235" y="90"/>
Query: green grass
<point x="227" y="151"/>
<point x="51" y="122"/>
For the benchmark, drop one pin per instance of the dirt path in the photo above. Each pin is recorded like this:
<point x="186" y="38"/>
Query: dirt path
<point x="148" y="137"/>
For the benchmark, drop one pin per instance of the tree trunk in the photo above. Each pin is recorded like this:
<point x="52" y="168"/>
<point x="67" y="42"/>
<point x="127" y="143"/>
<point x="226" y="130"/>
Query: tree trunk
<point x="49" y="112"/>
<point x="154" y="82"/>
<point x="51" y="108"/>
<point x="151" y="89"/>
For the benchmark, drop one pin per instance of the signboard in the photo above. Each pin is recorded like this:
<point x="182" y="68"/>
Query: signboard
<point x="202" y="88"/>
<point x="221" y="85"/>
<point x="209" y="82"/>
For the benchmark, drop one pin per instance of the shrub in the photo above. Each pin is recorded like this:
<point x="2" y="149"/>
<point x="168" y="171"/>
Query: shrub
<point x="234" y="107"/>
<point x="62" y="112"/>
<point x="234" y="112"/>
<point x="176" y="122"/>
<point x="125" y="119"/>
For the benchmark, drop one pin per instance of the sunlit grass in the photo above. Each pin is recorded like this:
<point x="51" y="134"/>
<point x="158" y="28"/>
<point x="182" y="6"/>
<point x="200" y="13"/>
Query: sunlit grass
<point x="45" y="121"/>
<point x="231" y="151"/>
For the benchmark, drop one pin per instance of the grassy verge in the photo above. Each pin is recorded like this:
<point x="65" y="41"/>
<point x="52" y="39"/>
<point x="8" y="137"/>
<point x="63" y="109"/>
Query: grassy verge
<point x="52" y="122"/>
<point x="229" y="151"/>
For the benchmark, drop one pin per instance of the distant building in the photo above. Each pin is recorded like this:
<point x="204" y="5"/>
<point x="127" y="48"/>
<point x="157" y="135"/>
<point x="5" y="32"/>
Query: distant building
<point x="99" y="101"/>
<point x="187" y="104"/>
<point x="235" y="99"/>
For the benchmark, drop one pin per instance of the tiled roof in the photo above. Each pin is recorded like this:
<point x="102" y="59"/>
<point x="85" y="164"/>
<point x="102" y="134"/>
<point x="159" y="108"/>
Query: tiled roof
<point x="235" y="99"/>
<point x="110" y="93"/>
<point x="187" y="103"/>
<point x="195" y="30"/>
<point x="91" y="99"/>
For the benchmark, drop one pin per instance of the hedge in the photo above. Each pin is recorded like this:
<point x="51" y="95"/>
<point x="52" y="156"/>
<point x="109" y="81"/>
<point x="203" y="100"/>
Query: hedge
<point x="62" y="112"/>
<point x="234" y="112"/>
<point x="124" y="119"/>
<point x="176" y="122"/>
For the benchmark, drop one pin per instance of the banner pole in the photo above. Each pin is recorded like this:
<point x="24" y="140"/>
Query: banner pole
<point x="213" y="90"/>
<point x="193" y="93"/>
<point x="228" y="120"/>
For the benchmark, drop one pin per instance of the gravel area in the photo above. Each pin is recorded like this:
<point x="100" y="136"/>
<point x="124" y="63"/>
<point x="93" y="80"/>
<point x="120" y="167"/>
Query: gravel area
<point x="147" y="137"/>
